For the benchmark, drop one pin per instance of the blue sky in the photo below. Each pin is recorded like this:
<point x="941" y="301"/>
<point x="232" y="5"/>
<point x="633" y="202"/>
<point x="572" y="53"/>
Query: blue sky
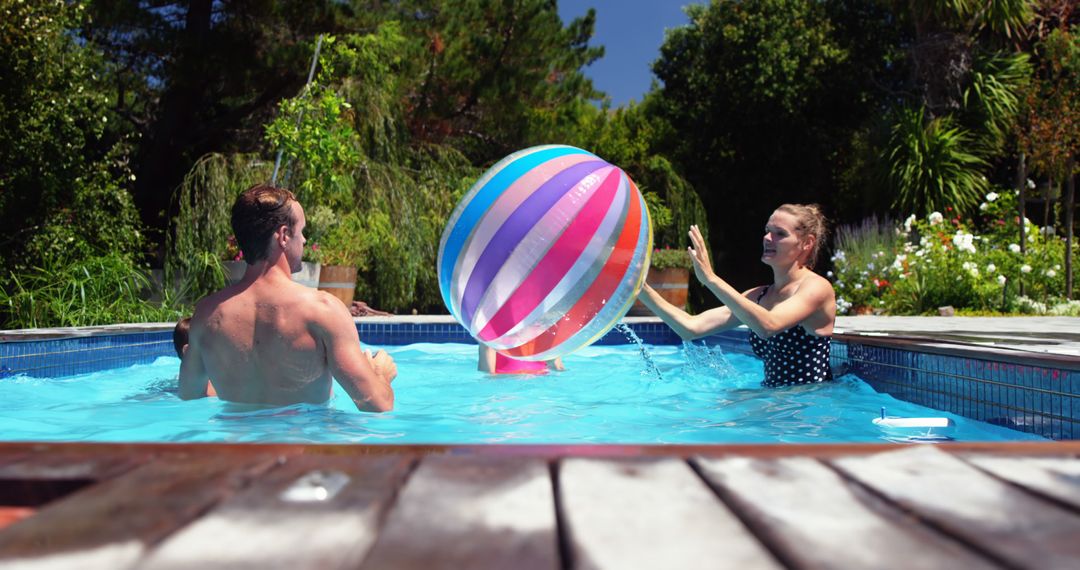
<point x="631" y="32"/>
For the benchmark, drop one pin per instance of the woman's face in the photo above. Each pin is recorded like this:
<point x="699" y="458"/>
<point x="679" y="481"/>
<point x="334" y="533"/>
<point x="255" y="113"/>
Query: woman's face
<point x="782" y="246"/>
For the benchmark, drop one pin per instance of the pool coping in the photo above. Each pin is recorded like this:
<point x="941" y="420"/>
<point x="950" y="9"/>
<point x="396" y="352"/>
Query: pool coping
<point x="873" y="331"/>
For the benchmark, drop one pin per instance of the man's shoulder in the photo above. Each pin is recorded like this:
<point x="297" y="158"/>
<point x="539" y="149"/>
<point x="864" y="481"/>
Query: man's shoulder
<point x="321" y="306"/>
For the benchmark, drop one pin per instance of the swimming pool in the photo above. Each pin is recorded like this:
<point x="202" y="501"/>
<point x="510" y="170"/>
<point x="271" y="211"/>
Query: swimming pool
<point x="618" y="393"/>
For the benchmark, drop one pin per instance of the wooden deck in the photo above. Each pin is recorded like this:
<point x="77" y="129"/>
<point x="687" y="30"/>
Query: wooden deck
<point x="293" y="506"/>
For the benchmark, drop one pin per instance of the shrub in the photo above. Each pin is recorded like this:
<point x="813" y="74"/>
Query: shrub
<point x="671" y="258"/>
<point x="96" y="291"/>
<point x="944" y="260"/>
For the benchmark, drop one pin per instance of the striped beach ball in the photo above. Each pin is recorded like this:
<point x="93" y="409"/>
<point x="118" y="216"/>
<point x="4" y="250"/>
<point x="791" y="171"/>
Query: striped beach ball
<point x="545" y="253"/>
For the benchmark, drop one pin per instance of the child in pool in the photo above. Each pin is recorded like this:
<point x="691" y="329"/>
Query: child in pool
<point x="180" y="336"/>
<point x="494" y="363"/>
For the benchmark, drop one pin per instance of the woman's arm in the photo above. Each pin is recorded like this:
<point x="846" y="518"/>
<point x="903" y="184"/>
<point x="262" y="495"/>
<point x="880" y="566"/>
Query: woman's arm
<point x="810" y="296"/>
<point x="687" y="326"/>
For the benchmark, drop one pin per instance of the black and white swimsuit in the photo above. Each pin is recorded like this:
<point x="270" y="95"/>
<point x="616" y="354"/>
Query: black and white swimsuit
<point x="793" y="356"/>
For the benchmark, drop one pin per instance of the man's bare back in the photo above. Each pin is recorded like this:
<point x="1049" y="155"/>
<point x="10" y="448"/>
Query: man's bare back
<point x="268" y="340"/>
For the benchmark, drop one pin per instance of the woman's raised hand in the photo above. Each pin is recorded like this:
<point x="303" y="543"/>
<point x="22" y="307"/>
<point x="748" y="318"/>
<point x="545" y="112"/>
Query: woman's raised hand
<point x="699" y="254"/>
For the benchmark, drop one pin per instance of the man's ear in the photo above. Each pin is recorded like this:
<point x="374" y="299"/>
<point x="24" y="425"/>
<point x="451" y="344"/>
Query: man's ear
<point x="281" y="236"/>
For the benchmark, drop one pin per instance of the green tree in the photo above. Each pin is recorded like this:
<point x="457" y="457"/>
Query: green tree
<point x="965" y="92"/>
<point x="761" y="98"/>
<point x="195" y="77"/>
<point x="485" y="67"/>
<point x="62" y="177"/>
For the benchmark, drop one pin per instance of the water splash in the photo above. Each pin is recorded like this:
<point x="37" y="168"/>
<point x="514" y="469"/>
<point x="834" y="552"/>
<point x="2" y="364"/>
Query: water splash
<point x="651" y="370"/>
<point x="707" y="360"/>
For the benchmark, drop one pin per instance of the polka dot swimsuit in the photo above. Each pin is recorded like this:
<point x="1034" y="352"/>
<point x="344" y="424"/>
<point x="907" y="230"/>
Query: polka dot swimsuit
<point x="793" y="356"/>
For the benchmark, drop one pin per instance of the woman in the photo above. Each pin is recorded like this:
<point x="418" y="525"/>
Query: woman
<point x="790" y="320"/>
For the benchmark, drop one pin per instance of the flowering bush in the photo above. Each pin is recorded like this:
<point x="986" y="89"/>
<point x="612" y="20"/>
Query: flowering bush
<point x="313" y="253"/>
<point x="944" y="260"/>
<point x="667" y="258"/>
<point x="232" y="250"/>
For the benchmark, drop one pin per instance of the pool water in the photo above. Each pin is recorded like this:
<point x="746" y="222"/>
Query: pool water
<point x="686" y="394"/>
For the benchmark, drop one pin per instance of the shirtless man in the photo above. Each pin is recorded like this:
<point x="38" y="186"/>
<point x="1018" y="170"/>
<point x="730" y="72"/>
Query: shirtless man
<point x="268" y="340"/>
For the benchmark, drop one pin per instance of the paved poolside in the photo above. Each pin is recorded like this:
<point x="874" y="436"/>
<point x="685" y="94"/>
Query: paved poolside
<point x="1025" y="335"/>
<point x="1052" y="335"/>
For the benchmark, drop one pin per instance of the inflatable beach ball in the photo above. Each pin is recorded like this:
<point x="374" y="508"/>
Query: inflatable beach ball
<point x="545" y="253"/>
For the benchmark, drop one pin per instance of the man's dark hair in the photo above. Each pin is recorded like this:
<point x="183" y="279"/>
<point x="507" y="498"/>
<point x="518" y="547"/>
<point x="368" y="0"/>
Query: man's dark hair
<point x="180" y="335"/>
<point x="257" y="213"/>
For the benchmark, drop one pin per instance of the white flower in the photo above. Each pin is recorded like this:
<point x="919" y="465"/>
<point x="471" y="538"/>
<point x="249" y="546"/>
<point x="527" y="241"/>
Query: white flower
<point x="907" y="223"/>
<point x="839" y="255"/>
<point x="1001" y="280"/>
<point x="983" y="206"/>
<point x="1047" y="231"/>
<point x="898" y="264"/>
<point x="990" y="268"/>
<point x="1015" y="248"/>
<point x="1057" y="266"/>
<point x="964" y="241"/>
<point x="870" y="266"/>
<point x="1030" y="184"/>
<point x="1051" y="273"/>
<point x="903" y="275"/>
<point x="828" y="274"/>
<point x="991" y="197"/>
<point x="935" y="218"/>
<point x="858" y="285"/>
<point x="971" y="268"/>
<point x="1025" y="268"/>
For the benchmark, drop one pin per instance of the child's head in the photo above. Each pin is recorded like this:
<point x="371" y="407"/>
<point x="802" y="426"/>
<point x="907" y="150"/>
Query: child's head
<point x="180" y="336"/>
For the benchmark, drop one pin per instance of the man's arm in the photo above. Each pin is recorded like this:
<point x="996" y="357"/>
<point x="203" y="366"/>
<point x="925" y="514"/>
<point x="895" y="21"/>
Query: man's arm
<point x="368" y="387"/>
<point x="193" y="377"/>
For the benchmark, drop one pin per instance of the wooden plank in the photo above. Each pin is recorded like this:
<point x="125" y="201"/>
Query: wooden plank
<point x="111" y="524"/>
<point x="550" y="452"/>
<point x="812" y="517"/>
<point x="1055" y="477"/>
<point x="1018" y="528"/>
<point x="650" y="514"/>
<point x="470" y="512"/>
<point x="267" y="527"/>
<point x="71" y="465"/>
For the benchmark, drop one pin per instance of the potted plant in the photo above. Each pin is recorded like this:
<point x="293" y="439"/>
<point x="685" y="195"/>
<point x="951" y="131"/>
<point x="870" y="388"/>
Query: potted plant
<point x="669" y="274"/>
<point x="343" y="250"/>
<point x="233" y="260"/>
<point x="319" y="222"/>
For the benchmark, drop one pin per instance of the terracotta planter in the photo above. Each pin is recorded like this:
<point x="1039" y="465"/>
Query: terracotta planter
<point x="339" y="281"/>
<point x="308" y="275"/>
<point x="672" y="283"/>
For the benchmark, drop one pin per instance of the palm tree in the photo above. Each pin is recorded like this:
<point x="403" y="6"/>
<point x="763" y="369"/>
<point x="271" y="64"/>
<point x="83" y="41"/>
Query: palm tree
<point x="967" y="100"/>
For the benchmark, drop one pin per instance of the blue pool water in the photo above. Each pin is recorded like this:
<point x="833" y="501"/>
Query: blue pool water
<point x="609" y="394"/>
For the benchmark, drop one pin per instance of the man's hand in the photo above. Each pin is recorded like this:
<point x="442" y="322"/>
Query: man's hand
<point x="384" y="365"/>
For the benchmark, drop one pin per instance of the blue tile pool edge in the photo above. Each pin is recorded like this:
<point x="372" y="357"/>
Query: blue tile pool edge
<point x="1022" y="391"/>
